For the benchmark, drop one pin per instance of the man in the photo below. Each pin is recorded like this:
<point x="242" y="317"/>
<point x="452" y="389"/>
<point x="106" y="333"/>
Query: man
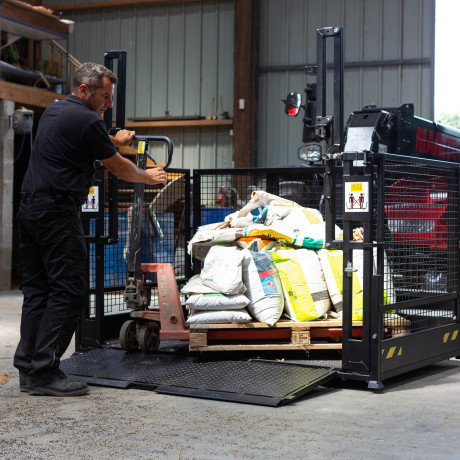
<point x="71" y="136"/>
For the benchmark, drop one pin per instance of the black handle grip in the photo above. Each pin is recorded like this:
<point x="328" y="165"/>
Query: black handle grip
<point x="113" y="132"/>
<point x="158" y="139"/>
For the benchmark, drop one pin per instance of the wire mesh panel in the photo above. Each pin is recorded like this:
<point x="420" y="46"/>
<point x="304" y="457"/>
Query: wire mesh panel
<point x="218" y="193"/>
<point x="165" y="229"/>
<point x="420" y="244"/>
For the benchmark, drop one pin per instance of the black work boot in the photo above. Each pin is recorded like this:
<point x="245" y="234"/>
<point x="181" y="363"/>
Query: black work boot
<point x="23" y="382"/>
<point x="61" y="385"/>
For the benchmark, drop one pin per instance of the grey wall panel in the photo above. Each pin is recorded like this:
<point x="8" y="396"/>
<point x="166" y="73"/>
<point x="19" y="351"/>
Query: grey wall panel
<point x="388" y="54"/>
<point x="180" y="60"/>
<point x="194" y="148"/>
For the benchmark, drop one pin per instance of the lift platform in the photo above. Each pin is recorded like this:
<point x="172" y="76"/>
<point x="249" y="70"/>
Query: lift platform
<point x="262" y="382"/>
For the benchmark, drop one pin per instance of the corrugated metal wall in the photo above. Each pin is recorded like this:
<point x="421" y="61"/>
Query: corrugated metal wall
<point x="389" y="60"/>
<point x="179" y="57"/>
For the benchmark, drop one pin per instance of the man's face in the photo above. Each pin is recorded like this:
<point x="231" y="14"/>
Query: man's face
<point x="102" y="97"/>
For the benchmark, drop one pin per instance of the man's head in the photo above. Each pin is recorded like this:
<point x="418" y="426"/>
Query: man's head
<point x="93" y="83"/>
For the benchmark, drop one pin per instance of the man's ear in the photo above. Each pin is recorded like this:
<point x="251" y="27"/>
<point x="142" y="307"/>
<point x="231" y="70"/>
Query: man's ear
<point x="83" y="89"/>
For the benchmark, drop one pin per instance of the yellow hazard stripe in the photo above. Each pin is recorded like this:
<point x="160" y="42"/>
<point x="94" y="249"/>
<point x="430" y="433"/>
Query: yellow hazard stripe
<point x="446" y="336"/>
<point x="391" y="352"/>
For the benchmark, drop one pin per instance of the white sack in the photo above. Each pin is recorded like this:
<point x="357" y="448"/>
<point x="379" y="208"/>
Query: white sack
<point x="217" y="301"/>
<point x="222" y="270"/>
<point x="219" y="316"/>
<point x="195" y="286"/>
<point x="264" y="289"/>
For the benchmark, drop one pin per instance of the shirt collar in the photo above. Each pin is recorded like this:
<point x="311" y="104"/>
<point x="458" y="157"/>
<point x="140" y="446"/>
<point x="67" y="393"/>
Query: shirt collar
<point x="77" y="100"/>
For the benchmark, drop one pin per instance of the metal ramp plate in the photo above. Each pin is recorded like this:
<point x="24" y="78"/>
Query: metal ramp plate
<point x="270" y="383"/>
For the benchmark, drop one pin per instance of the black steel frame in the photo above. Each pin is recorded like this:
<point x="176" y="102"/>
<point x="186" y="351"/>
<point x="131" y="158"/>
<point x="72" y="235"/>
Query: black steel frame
<point x="98" y="325"/>
<point x="376" y="357"/>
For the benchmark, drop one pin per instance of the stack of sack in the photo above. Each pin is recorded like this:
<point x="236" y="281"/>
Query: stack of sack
<point x="266" y="260"/>
<point x="217" y="294"/>
<point x="235" y="286"/>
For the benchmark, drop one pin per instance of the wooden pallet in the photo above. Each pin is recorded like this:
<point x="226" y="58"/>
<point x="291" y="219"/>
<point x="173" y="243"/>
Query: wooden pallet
<point x="284" y="335"/>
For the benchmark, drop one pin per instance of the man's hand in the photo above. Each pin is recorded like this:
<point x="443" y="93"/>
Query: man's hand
<point x="158" y="175"/>
<point x="123" y="137"/>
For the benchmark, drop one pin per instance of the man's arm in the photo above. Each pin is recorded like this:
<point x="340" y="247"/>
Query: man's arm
<point x="128" y="171"/>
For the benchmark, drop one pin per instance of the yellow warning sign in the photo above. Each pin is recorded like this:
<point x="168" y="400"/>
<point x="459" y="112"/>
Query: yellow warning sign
<point x="356" y="195"/>
<point x="141" y="147"/>
<point x="92" y="202"/>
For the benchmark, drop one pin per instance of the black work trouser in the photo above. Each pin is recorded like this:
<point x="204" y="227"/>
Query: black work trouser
<point x="52" y="255"/>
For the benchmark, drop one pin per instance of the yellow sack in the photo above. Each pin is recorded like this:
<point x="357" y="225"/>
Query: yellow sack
<point x="305" y="292"/>
<point x="332" y="265"/>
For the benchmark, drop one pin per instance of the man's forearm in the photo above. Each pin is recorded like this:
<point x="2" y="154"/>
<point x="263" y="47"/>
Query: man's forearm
<point x="126" y="170"/>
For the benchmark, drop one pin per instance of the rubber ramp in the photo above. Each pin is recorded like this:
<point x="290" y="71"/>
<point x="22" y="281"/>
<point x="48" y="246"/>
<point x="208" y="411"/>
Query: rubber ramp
<point x="270" y="383"/>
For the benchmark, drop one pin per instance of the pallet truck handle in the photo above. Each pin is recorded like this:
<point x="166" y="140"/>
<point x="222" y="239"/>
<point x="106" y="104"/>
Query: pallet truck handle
<point x="169" y="142"/>
<point x="165" y="139"/>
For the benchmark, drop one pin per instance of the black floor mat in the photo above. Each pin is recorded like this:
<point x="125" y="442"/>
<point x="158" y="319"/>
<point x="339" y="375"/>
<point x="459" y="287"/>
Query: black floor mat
<point x="270" y="383"/>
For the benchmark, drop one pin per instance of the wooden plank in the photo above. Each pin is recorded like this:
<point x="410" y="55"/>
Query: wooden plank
<point x="250" y="325"/>
<point x="118" y="4"/>
<point x="198" y="340"/>
<point x="177" y="123"/>
<point x="280" y="324"/>
<point x="26" y="14"/>
<point x="244" y="83"/>
<point x="300" y="337"/>
<point x="262" y="346"/>
<point x="324" y="346"/>
<point x="27" y="95"/>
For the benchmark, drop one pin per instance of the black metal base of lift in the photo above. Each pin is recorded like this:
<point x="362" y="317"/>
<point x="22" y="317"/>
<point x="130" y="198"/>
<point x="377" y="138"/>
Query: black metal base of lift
<point x="262" y="382"/>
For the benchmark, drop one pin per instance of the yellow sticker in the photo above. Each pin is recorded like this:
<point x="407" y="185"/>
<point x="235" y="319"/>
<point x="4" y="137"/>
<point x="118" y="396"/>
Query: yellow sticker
<point x="357" y="187"/>
<point x="141" y="147"/>
<point x="91" y="191"/>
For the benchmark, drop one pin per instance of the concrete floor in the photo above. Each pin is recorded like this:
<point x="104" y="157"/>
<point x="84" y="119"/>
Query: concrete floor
<point x="417" y="416"/>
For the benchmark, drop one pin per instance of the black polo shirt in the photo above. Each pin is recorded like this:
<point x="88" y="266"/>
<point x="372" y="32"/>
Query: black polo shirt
<point x="69" y="139"/>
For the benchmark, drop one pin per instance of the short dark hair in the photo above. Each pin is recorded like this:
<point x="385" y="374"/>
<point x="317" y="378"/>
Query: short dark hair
<point x="91" y="74"/>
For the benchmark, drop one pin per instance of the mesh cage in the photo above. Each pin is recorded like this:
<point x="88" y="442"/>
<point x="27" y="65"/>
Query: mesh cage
<point x="222" y="192"/>
<point x="421" y="220"/>
<point x="165" y="230"/>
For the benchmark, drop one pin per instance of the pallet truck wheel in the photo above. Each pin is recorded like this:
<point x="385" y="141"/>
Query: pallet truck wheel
<point x="128" y="336"/>
<point x="148" y="337"/>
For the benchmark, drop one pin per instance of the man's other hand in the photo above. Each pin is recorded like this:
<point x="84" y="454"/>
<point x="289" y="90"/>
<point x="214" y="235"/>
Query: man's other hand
<point x="123" y="137"/>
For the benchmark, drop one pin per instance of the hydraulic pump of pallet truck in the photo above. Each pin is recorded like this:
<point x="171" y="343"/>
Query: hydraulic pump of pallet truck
<point x="137" y="295"/>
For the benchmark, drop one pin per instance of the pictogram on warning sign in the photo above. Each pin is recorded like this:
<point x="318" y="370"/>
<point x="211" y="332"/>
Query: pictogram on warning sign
<point x="92" y="202"/>
<point x="356" y="196"/>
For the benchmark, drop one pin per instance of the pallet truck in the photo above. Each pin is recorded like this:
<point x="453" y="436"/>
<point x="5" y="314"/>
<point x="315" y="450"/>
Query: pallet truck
<point x="147" y="326"/>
